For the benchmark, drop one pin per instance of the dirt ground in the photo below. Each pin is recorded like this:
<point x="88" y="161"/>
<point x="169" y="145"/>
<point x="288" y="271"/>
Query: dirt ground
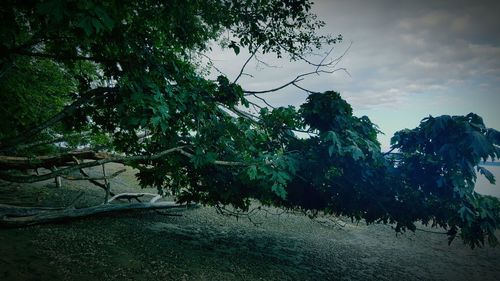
<point x="199" y="244"/>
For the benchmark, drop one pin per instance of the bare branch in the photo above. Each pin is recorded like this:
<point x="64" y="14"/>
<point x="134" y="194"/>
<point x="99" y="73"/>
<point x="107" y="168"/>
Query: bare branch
<point x="66" y="159"/>
<point x="67" y="170"/>
<point x="256" y="107"/>
<point x="338" y="59"/>
<point x="222" y="210"/>
<point x="298" y="78"/>
<point x="211" y="62"/>
<point x="86" y="178"/>
<point x="216" y="162"/>
<point x="96" y="183"/>
<point x="104" y="158"/>
<point x="247" y="93"/>
<point x="260" y="61"/>
<point x="320" y="64"/>
<point x="319" y="69"/>
<point x="45" y="142"/>
<point x="263" y="100"/>
<point x="245" y="64"/>
<point x="246" y="115"/>
<point x="304" y="89"/>
<point x="16" y="219"/>
<point x="389" y="152"/>
<point x="331" y="63"/>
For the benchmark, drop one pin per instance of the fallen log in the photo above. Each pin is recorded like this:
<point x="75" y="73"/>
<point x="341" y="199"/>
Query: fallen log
<point x="48" y="161"/>
<point x="17" y="219"/>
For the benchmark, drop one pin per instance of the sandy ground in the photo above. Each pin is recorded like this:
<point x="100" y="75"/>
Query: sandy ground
<point x="199" y="244"/>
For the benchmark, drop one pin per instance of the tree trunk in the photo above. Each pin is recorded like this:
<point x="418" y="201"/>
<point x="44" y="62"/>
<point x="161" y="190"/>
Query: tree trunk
<point x="22" y="216"/>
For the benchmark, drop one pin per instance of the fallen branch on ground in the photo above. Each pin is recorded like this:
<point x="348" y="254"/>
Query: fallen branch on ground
<point x="129" y="196"/>
<point x="11" y="217"/>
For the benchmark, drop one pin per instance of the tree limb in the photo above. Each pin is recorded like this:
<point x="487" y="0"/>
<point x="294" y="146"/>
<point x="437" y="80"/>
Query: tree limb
<point x="87" y="178"/>
<point x="65" y="159"/>
<point x="102" y="159"/>
<point x="44" y="142"/>
<point x="298" y="78"/>
<point x="101" y="185"/>
<point x="304" y="89"/>
<point x="45" y="216"/>
<point x="96" y="183"/>
<point x="67" y="170"/>
<point x="263" y="100"/>
<point x="245" y="64"/>
<point x="216" y="162"/>
<point x="319" y="68"/>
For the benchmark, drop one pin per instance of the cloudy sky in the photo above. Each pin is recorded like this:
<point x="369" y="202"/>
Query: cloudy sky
<point x="407" y="60"/>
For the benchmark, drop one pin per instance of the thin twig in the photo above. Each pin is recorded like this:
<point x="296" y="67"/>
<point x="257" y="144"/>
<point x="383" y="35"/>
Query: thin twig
<point x="319" y="69"/>
<point x="245" y="64"/>
<point x="304" y="89"/>
<point x="87" y="178"/>
<point x="298" y="78"/>
<point x="263" y="100"/>
<point x="217" y="162"/>
<point x="210" y="60"/>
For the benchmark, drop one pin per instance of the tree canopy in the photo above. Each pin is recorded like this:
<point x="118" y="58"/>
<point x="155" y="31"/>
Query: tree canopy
<point x="124" y="82"/>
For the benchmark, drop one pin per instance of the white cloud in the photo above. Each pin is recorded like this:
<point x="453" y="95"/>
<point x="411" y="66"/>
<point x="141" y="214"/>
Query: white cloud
<point x="445" y="51"/>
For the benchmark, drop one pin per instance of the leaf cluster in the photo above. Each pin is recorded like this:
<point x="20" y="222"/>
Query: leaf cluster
<point x="122" y="76"/>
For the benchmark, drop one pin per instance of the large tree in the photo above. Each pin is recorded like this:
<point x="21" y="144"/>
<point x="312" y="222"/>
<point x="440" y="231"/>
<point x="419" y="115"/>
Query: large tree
<point x="84" y="83"/>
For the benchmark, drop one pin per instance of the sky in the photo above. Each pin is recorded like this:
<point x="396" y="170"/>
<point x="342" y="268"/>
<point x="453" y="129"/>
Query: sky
<point x="404" y="61"/>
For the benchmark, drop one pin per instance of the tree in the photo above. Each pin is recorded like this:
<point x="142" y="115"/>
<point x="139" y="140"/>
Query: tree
<point x="127" y="87"/>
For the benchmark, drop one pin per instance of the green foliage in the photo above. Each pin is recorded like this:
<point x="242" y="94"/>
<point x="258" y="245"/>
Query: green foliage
<point x="438" y="162"/>
<point x="228" y="93"/>
<point x="32" y="89"/>
<point x="123" y="77"/>
<point x="326" y="111"/>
